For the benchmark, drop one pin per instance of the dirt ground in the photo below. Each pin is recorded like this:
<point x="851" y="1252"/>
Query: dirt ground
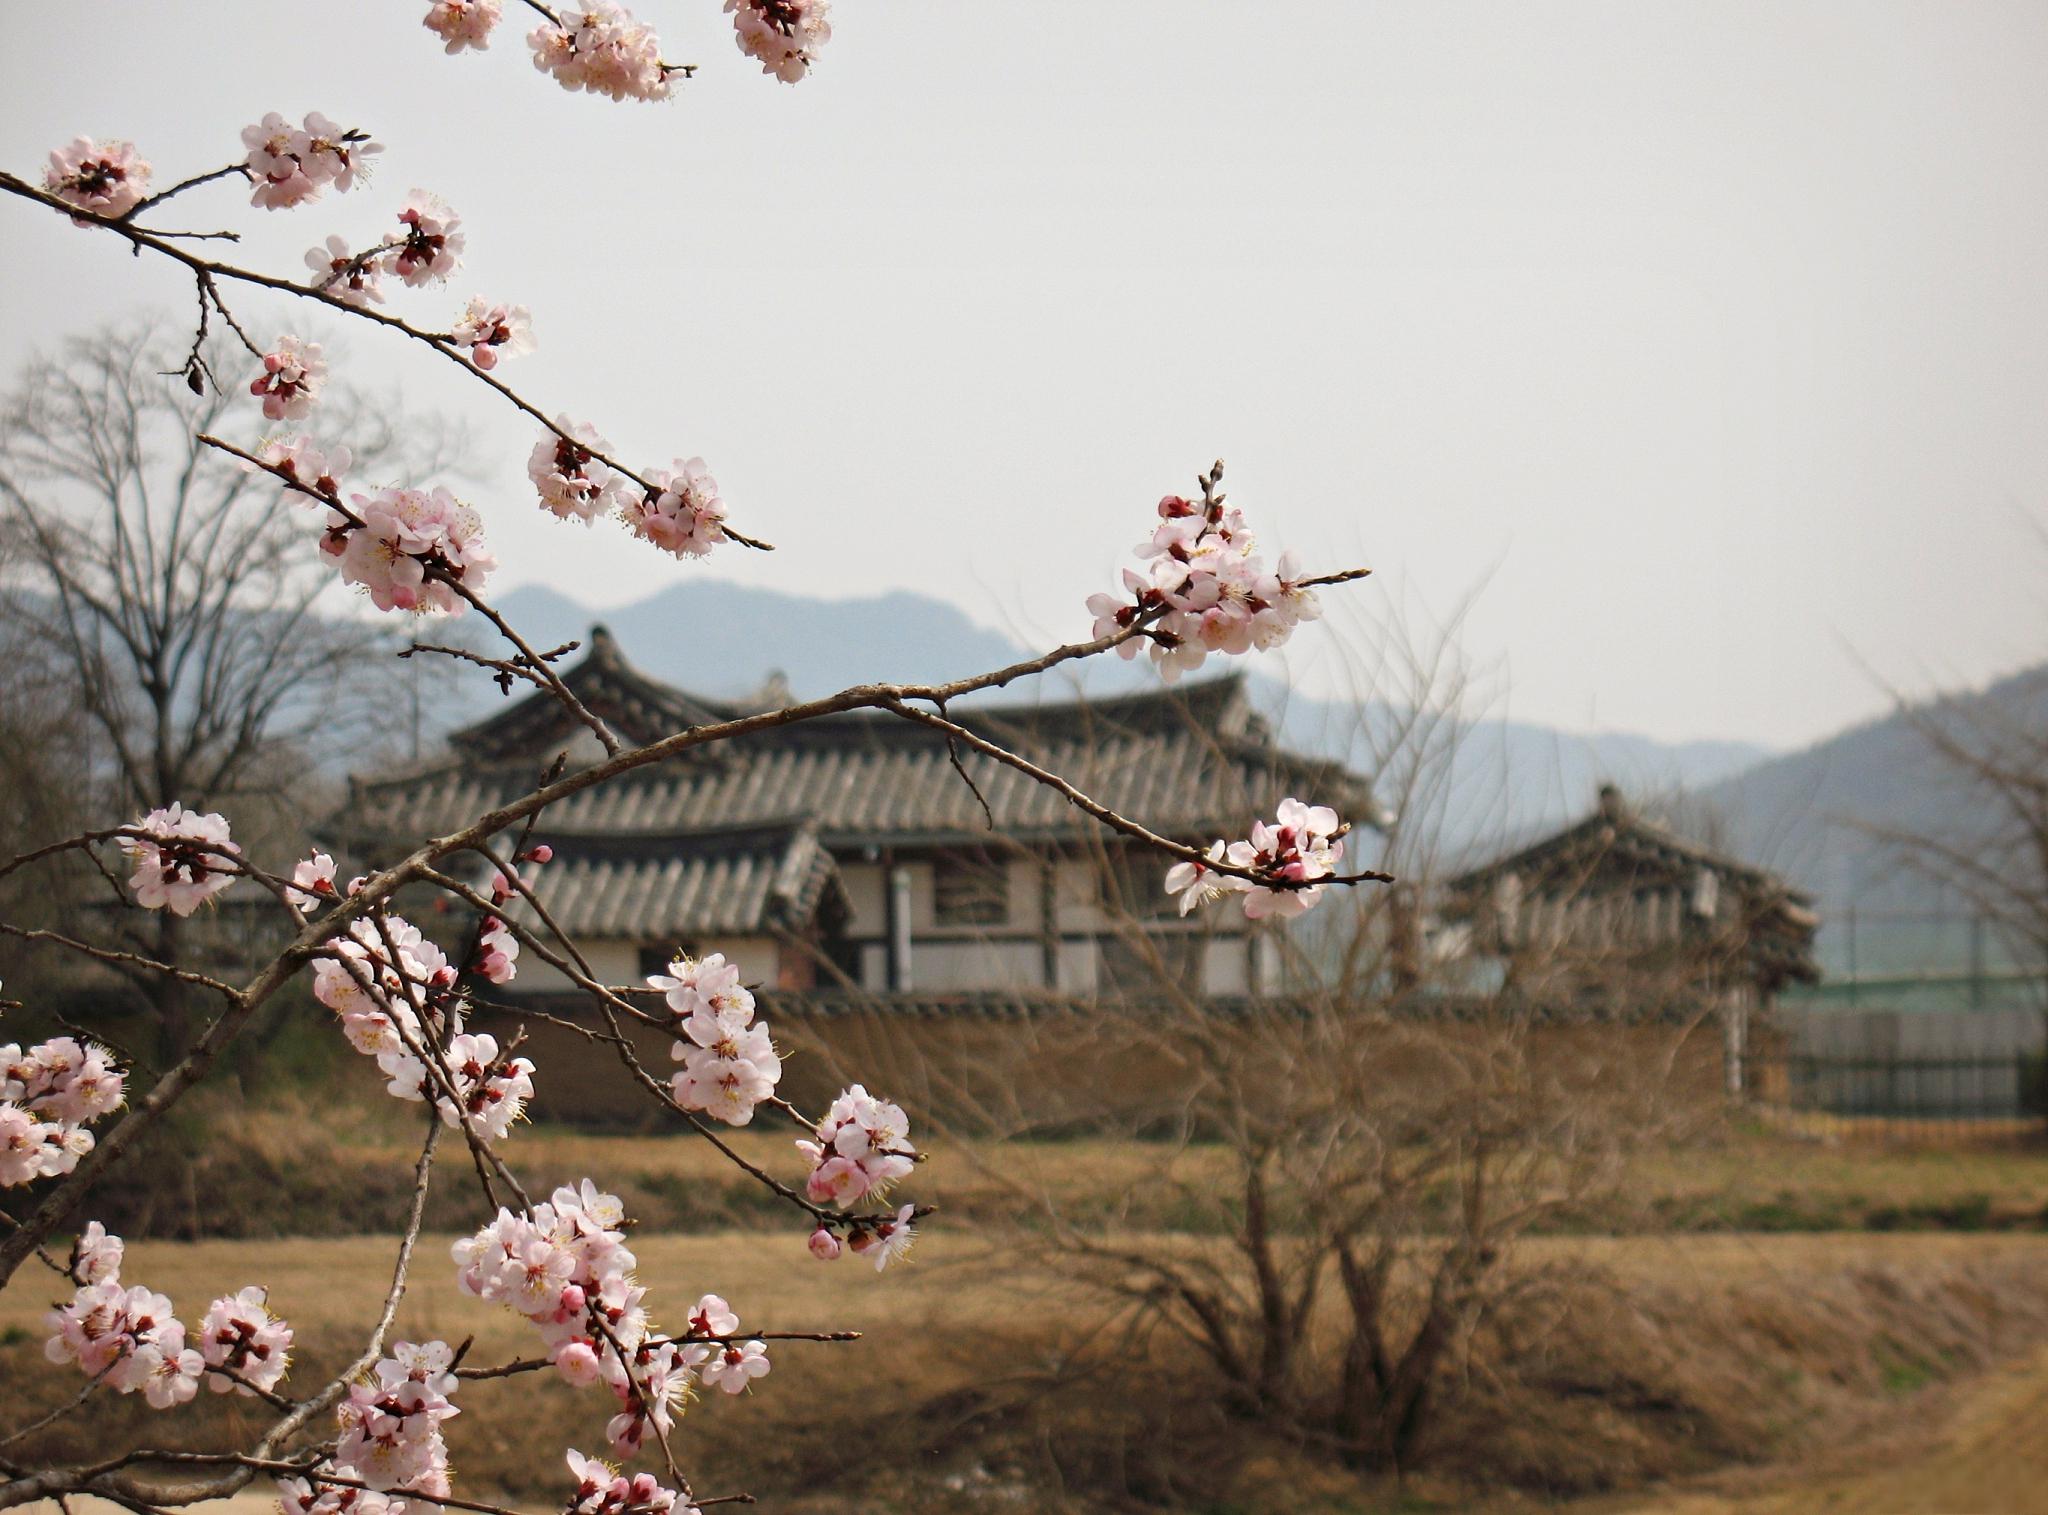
<point x="1979" y="1448"/>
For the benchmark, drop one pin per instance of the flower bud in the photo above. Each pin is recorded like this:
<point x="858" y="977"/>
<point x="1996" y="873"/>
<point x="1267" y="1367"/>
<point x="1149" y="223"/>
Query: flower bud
<point x="824" y="1245"/>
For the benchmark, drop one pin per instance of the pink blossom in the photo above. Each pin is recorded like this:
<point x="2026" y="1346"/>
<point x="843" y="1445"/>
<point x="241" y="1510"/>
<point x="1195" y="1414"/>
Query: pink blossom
<point x="130" y="1338"/>
<point x="275" y="166"/>
<point x="782" y="35"/>
<point x="241" y="1336"/>
<point x="107" y="178"/>
<point x="1302" y="844"/>
<point x="497" y="952"/>
<point x="603" y="1490"/>
<point x="729" y="1064"/>
<point x="600" y="47"/>
<point x="862" y="1147"/>
<point x="394" y="992"/>
<point x="52" y="1090"/>
<point x="681" y="512"/>
<point x="312" y="882"/>
<point x="353" y="279"/>
<point x="334" y="156"/>
<point x="463" y="23"/>
<point x="1204" y="590"/>
<point x="574" y="483"/>
<point x="391" y="1425"/>
<point x="734" y="1366"/>
<point x="710" y="984"/>
<point x="182" y="859"/>
<point x="293" y="373"/>
<point x="96" y="1255"/>
<point x="428" y="246"/>
<point x="824" y="1245"/>
<point x="1197" y="884"/>
<point x="319" y="469"/>
<point x="290" y="165"/>
<point x="405" y="535"/>
<point x="493" y="331"/>
<point x="884" y="1240"/>
<point x="31" y="1149"/>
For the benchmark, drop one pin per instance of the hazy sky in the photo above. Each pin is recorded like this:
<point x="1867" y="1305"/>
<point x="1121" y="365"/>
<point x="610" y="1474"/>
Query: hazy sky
<point x="1712" y="339"/>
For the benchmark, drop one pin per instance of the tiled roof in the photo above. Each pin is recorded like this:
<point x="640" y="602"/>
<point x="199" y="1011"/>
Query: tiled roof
<point x="738" y="882"/>
<point x="1618" y="838"/>
<point x="1194" y="762"/>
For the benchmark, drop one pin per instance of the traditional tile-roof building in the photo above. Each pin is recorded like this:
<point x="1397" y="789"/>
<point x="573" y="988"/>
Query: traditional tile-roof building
<point x="1619" y="913"/>
<point x="1618" y="885"/>
<point x="849" y="851"/>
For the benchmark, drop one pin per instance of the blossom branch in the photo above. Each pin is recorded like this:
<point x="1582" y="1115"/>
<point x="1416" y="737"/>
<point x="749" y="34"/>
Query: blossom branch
<point x="212" y="269"/>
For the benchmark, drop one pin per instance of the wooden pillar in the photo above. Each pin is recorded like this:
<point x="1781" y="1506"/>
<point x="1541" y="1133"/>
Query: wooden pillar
<point x="1049" y="922"/>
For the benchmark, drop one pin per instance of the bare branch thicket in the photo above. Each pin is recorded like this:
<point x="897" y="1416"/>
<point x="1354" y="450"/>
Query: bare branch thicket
<point x="169" y="608"/>
<point x="1348" y="1162"/>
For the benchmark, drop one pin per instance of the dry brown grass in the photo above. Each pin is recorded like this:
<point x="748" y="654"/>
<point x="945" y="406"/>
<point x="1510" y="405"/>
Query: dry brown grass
<point x="977" y="1386"/>
<point x="339" y="1170"/>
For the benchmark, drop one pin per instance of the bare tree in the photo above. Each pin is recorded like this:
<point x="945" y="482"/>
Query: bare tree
<point x="1990" y="752"/>
<point x="169" y="594"/>
<point x="1366" y="1148"/>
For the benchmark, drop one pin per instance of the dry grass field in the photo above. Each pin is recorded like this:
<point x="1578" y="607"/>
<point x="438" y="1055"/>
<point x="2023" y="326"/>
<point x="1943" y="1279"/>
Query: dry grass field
<point x="1761" y="1324"/>
<point x="316" y="1173"/>
<point x="1827" y="1370"/>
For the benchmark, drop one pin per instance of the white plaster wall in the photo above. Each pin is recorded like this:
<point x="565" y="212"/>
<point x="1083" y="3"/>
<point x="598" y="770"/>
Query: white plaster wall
<point x="1226" y="966"/>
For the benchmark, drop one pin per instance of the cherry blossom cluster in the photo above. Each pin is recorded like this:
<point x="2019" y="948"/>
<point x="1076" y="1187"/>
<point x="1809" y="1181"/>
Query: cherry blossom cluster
<point x="1204" y="589"/>
<point x="182" y="858"/>
<point x="463" y="23"/>
<point x="491" y="332"/>
<point x="131" y="1337"/>
<point x="574" y="483"/>
<point x="783" y="36"/>
<point x="862" y="1148"/>
<point x="401" y="536"/>
<point x="106" y="178"/>
<point x="293" y="375"/>
<point x="426" y="249"/>
<point x="428" y="245"/>
<point x="1303" y="843"/>
<point x="602" y="1490"/>
<point x="337" y="269"/>
<point x="879" y="1238"/>
<point x="300" y="1496"/>
<point x="720" y="1361"/>
<point x="395" y="993"/>
<point x="248" y="1347"/>
<point x="291" y="165"/>
<point x="600" y="47"/>
<point x="391" y="1422"/>
<point x="48" y="1095"/>
<point x="306" y="462"/>
<point x="729" y="1063"/>
<point x="680" y="512"/>
<point x="560" y="1265"/>
<point x="566" y="1268"/>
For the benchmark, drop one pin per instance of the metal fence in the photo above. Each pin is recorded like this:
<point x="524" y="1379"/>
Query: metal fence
<point x="1905" y="1072"/>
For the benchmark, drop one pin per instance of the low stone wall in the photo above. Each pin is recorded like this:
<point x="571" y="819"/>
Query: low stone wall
<point x="1052" y="1068"/>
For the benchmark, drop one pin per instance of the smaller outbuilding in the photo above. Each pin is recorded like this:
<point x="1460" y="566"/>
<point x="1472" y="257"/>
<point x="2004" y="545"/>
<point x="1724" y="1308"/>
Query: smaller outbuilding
<point x="1617" y="915"/>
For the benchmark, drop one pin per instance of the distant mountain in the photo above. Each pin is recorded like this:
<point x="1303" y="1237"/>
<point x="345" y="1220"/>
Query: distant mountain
<point x="1810" y="816"/>
<point x="725" y="639"/>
